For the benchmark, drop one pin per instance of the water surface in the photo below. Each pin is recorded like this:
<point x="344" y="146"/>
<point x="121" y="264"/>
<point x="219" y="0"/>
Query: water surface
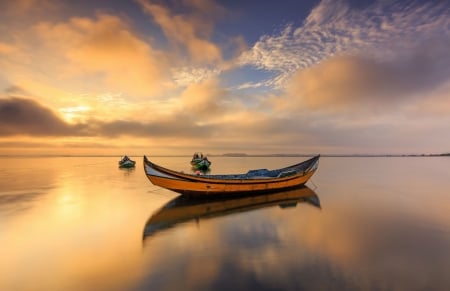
<point x="71" y="223"/>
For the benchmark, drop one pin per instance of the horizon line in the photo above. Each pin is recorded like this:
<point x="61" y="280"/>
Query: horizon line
<point x="232" y="155"/>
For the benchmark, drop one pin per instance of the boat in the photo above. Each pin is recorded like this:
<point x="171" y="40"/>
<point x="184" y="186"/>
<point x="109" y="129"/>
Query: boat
<point x="254" y="181"/>
<point x="200" y="171"/>
<point x="200" y="162"/>
<point x="126" y="162"/>
<point x="181" y="209"/>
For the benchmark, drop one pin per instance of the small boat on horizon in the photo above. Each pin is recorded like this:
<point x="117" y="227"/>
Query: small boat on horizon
<point x="252" y="182"/>
<point x="126" y="162"/>
<point x="200" y="162"/>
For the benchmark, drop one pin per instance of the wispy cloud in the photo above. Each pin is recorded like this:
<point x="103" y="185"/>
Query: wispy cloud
<point x="183" y="76"/>
<point x="384" y="30"/>
<point x="190" y="31"/>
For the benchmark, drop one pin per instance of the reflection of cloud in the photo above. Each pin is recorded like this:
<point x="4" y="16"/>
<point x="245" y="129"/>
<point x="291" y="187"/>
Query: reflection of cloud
<point x="342" y="248"/>
<point x="394" y="250"/>
<point x="18" y="201"/>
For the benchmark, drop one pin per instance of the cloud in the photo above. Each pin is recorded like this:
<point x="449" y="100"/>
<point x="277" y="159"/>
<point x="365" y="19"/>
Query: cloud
<point x="349" y="82"/>
<point x="434" y="104"/>
<point x="349" y="79"/>
<point x="16" y="91"/>
<point x="386" y="30"/>
<point x="6" y="48"/>
<point x="106" y="48"/>
<point x="22" y="7"/>
<point x="184" y="76"/>
<point x="233" y="130"/>
<point x="20" y="116"/>
<point x="179" y="128"/>
<point x="205" y="99"/>
<point x="190" y="31"/>
<point x="199" y="110"/>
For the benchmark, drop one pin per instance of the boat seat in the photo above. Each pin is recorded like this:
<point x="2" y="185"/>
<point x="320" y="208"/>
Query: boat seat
<point x="287" y="173"/>
<point x="259" y="173"/>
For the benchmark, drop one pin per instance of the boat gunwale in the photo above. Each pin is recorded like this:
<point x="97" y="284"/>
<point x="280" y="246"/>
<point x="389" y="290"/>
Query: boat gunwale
<point x="214" y="179"/>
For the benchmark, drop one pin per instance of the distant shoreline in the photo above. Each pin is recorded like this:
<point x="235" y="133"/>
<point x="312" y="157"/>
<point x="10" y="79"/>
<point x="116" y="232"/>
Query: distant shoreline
<point x="338" y="155"/>
<point x="243" y="155"/>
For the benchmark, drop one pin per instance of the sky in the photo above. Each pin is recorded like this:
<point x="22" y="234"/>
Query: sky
<point x="258" y="77"/>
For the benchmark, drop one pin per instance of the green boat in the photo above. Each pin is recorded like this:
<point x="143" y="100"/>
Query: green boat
<point x="200" y="162"/>
<point x="126" y="162"/>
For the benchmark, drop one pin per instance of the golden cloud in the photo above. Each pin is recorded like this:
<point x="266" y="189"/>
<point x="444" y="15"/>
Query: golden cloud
<point x="106" y="47"/>
<point x="6" y="49"/>
<point x="346" y="83"/>
<point x="338" y="83"/>
<point x="204" y="98"/>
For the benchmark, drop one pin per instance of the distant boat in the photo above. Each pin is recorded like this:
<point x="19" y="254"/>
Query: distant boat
<point x="126" y="162"/>
<point x="254" y="181"/>
<point x="200" y="162"/>
<point x="182" y="210"/>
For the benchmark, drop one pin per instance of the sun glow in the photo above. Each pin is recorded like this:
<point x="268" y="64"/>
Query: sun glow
<point x="74" y="113"/>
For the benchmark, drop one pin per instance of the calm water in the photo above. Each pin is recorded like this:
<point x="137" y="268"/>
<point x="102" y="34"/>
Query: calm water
<point x="83" y="224"/>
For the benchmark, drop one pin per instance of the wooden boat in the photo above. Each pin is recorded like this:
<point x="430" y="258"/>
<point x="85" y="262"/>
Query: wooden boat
<point x="126" y="162"/>
<point x="181" y="209"/>
<point x="254" y="181"/>
<point x="200" y="162"/>
<point x="200" y="171"/>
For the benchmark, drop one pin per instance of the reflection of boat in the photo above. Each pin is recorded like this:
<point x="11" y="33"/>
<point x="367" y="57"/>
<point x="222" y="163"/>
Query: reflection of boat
<point x="127" y="171"/>
<point x="182" y="209"/>
<point x="200" y="162"/>
<point x="126" y="162"/>
<point x="254" y="181"/>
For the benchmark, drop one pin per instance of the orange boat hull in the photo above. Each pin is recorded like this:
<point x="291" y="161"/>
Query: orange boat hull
<point x="209" y="185"/>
